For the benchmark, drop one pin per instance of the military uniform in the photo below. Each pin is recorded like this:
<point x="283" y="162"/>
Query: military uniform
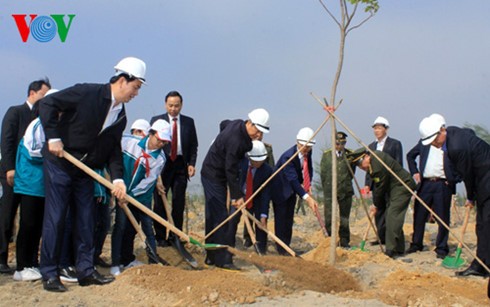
<point x="398" y="200"/>
<point x="344" y="191"/>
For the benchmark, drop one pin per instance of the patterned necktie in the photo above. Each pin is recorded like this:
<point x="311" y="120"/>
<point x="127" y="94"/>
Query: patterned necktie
<point x="173" y="151"/>
<point x="249" y="187"/>
<point x="306" y="175"/>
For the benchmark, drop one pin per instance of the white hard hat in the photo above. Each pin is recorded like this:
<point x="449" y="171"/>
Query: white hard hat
<point x="258" y="152"/>
<point x="381" y="121"/>
<point x="162" y="129"/>
<point x="134" y="67"/>
<point x="51" y="91"/>
<point x="260" y="118"/>
<point x="429" y="128"/>
<point x="141" y="124"/>
<point x="304" y="134"/>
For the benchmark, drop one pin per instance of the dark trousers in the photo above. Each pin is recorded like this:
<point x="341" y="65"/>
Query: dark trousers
<point x="174" y="178"/>
<point x="117" y="236"/>
<point x="345" y="205"/>
<point x="216" y="212"/>
<point x="437" y="195"/>
<point x="67" y="250"/>
<point x="30" y="229"/>
<point x="380" y="219"/>
<point x="127" y="246"/>
<point x="8" y="208"/>
<point x="67" y="188"/>
<point x="283" y="221"/>
<point x="483" y="231"/>
<point x="102" y="225"/>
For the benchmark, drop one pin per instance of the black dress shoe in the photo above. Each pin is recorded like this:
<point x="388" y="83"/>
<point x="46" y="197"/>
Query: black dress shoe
<point x="441" y="255"/>
<point x="393" y="254"/>
<point x="100" y="262"/>
<point x="473" y="270"/>
<point x="54" y="285"/>
<point x="414" y="249"/>
<point x="5" y="269"/>
<point x="377" y="242"/>
<point x="95" y="279"/>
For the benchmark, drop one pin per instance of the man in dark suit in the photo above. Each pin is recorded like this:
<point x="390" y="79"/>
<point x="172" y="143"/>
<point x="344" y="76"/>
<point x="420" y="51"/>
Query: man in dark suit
<point x="14" y="125"/>
<point x="254" y="171"/>
<point x="470" y="156"/>
<point x="181" y="157"/>
<point x="436" y="182"/>
<point x="294" y="179"/>
<point x="394" y="149"/>
<point x="220" y="172"/>
<point x="86" y="120"/>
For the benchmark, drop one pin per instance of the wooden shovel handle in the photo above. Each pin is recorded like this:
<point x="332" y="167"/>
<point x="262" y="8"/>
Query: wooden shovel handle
<point x="130" y="199"/>
<point x="133" y="221"/>
<point x="250" y="230"/>
<point x="364" y="238"/>
<point x="166" y="207"/>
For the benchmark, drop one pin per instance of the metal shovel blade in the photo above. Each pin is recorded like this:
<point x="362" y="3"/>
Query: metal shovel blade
<point x="454" y="262"/>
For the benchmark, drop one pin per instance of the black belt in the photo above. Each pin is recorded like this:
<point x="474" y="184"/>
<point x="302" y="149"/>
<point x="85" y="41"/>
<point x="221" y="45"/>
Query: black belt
<point x="435" y="179"/>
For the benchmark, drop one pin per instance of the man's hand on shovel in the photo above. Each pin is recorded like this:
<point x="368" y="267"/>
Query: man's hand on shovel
<point x="119" y="190"/>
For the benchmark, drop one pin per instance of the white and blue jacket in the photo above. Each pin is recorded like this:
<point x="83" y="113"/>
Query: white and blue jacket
<point x="141" y="167"/>
<point x="29" y="177"/>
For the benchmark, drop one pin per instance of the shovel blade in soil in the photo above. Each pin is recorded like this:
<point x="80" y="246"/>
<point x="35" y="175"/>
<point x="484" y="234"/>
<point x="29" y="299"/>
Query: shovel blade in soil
<point x="454" y="262"/>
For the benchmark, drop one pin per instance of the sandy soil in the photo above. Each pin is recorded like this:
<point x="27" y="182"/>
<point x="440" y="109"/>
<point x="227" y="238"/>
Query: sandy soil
<point x="358" y="278"/>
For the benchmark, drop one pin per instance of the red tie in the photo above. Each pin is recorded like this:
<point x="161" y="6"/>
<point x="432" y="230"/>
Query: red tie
<point x="173" y="152"/>
<point x="306" y="175"/>
<point x="145" y="158"/>
<point x="250" y="187"/>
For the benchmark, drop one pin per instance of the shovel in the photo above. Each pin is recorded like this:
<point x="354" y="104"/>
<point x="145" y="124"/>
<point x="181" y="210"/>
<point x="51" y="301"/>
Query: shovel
<point x="176" y="240"/>
<point x="149" y="251"/>
<point x="364" y="238"/>
<point x="251" y="232"/>
<point x="139" y="205"/>
<point x="320" y="221"/>
<point x="456" y="262"/>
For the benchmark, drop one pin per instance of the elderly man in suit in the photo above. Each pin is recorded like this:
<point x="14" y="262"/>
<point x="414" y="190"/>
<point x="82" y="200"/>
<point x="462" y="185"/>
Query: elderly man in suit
<point x="181" y="157"/>
<point x="14" y="125"/>
<point x="394" y="149"/>
<point x="294" y="179"/>
<point x="436" y="180"/>
<point x="470" y="156"/>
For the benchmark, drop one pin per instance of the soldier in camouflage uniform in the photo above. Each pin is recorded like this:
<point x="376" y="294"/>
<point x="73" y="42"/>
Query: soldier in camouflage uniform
<point x="399" y="196"/>
<point x="344" y="187"/>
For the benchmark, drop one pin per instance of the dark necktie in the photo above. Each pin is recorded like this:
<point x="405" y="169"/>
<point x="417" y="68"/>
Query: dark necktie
<point x="249" y="187"/>
<point x="173" y="151"/>
<point x="306" y="175"/>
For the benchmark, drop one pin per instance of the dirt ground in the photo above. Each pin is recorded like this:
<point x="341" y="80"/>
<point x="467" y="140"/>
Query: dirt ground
<point x="358" y="278"/>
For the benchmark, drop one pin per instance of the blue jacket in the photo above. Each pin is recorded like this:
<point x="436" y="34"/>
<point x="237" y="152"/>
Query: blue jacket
<point x="29" y="176"/>
<point x="261" y="201"/>
<point x="290" y="179"/>
<point x="141" y="167"/>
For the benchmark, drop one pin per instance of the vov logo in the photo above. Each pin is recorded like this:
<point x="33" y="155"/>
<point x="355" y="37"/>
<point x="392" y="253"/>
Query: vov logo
<point x="43" y="28"/>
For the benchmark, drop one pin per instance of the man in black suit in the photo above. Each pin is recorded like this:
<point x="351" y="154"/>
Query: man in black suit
<point x="86" y="120"/>
<point x="392" y="147"/>
<point x="14" y="125"/>
<point x="470" y="157"/>
<point x="436" y="180"/>
<point x="181" y="157"/>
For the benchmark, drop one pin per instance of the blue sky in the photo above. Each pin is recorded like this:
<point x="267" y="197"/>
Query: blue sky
<point x="228" y="57"/>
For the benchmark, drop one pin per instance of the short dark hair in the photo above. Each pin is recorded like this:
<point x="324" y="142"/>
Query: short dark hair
<point x="37" y="85"/>
<point x="122" y="75"/>
<point x="174" y="94"/>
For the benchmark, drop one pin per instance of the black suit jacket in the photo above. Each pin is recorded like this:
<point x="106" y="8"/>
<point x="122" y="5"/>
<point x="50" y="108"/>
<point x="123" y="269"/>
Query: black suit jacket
<point x="83" y="109"/>
<point x="14" y="125"/>
<point x="470" y="156"/>
<point x="422" y="151"/>
<point x="261" y="201"/>
<point x="188" y="138"/>
<point x="392" y="147"/>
